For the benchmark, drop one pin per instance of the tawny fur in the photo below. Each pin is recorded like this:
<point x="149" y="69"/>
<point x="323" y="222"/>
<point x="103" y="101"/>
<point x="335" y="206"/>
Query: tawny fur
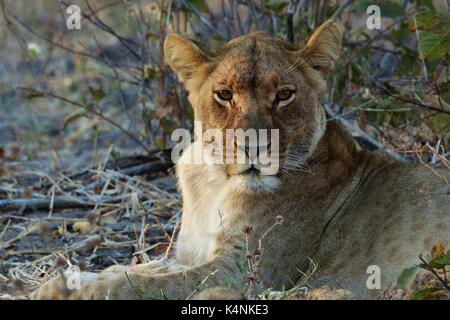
<point x="343" y="208"/>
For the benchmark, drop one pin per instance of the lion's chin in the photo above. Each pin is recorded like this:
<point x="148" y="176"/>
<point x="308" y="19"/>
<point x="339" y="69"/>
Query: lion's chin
<point x="254" y="182"/>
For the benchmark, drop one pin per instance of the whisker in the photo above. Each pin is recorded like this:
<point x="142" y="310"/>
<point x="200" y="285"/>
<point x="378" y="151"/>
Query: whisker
<point x="293" y="66"/>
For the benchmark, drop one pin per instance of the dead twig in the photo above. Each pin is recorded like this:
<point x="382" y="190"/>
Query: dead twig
<point x="63" y="202"/>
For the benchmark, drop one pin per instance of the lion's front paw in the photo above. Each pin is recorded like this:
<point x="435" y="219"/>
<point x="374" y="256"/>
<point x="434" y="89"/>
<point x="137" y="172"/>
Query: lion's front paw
<point x="81" y="286"/>
<point x="51" y="290"/>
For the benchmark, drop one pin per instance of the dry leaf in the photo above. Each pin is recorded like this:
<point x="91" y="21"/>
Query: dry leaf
<point x="438" y="249"/>
<point x="83" y="227"/>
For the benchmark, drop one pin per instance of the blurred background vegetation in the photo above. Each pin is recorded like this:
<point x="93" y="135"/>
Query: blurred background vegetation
<point x="68" y="97"/>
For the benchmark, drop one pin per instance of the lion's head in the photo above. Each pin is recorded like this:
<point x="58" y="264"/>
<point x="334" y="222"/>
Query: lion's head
<point x="262" y="82"/>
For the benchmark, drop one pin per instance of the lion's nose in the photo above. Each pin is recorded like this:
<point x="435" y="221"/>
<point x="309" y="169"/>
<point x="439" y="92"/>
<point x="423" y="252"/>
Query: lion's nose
<point x="252" y="152"/>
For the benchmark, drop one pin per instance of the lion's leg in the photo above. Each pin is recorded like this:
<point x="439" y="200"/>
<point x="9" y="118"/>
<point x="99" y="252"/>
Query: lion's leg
<point x="177" y="285"/>
<point x="152" y="267"/>
<point x="133" y="284"/>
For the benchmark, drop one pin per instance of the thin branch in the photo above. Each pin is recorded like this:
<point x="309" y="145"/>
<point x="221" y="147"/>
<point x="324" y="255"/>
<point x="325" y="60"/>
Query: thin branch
<point x="99" y="114"/>
<point x="421" y="56"/>
<point x="424" y="265"/>
<point x="251" y="5"/>
<point x="371" y="40"/>
<point x="414" y="103"/>
<point x="341" y="8"/>
<point x="52" y="43"/>
<point x="132" y="286"/>
<point x="103" y="26"/>
<point x="202" y="19"/>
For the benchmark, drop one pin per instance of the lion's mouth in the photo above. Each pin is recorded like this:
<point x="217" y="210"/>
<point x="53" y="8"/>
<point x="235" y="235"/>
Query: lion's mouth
<point x="253" y="171"/>
<point x="257" y="170"/>
<point x="252" y="179"/>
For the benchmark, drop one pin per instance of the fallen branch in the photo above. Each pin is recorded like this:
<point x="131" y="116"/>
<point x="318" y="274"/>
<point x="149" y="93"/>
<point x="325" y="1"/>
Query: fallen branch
<point x="87" y="244"/>
<point x="156" y="161"/>
<point x="63" y="202"/>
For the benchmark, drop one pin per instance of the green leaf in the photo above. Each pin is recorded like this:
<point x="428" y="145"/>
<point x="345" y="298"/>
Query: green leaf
<point x="425" y="20"/>
<point x="434" y="46"/>
<point x="238" y="264"/>
<point x="407" y="277"/>
<point x="97" y="94"/>
<point x="33" y="50"/>
<point x="389" y="9"/>
<point x="440" y="122"/>
<point x="115" y="154"/>
<point x="78" y="113"/>
<point x="428" y="42"/>
<point x="440" y="261"/>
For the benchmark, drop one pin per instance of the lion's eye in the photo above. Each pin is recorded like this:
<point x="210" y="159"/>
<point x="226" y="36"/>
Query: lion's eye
<point x="284" y="95"/>
<point x="225" y="95"/>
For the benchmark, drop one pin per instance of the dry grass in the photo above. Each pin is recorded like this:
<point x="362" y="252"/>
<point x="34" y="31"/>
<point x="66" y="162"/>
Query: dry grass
<point x="123" y="219"/>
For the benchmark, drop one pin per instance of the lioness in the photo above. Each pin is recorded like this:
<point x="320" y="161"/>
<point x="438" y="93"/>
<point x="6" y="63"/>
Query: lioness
<point x="331" y="203"/>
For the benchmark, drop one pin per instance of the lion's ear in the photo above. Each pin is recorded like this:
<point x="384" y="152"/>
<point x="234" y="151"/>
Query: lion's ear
<point x="323" y="47"/>
<point x="184" y="56"/>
